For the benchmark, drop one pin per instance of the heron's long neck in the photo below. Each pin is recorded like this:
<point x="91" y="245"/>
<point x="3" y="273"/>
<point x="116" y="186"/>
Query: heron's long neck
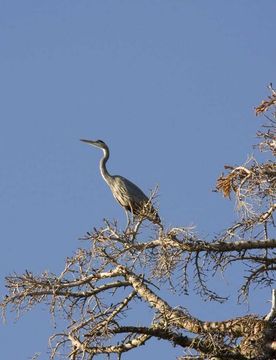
<point x="103" y="169"/>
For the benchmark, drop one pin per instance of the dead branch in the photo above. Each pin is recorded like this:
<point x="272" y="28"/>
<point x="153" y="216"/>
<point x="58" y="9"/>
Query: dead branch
<point x="272" y="314"/>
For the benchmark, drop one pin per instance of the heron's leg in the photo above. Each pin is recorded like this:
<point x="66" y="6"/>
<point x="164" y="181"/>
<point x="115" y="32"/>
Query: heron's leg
<point x="137" y="226"/>
<point x="132" y="214"/>
<point x="128" y="219"/>
<point x="161" y="230"/>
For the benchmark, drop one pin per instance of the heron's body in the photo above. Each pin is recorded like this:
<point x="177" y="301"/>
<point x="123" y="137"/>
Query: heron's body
<point x="128" y="195"/>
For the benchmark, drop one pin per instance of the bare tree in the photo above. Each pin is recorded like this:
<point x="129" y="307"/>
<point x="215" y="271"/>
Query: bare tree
<point x="120" y="271"/>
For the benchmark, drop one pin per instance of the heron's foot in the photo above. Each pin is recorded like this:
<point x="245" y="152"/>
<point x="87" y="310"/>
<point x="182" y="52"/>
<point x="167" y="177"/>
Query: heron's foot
<point x="129" y="233"/>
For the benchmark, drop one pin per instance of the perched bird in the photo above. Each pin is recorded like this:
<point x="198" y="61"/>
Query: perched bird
<point x="128" y="195"/>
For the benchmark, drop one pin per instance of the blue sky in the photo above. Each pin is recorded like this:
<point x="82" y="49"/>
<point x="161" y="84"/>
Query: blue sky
<point x="169" y="85"/>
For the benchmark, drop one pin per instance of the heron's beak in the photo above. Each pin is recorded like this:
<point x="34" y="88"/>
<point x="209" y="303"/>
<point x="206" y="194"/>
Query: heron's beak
<point x="90" y="142"/>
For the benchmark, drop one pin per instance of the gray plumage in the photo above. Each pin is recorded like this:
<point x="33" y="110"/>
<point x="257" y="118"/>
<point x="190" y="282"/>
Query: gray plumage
<point x="128" y="195"/>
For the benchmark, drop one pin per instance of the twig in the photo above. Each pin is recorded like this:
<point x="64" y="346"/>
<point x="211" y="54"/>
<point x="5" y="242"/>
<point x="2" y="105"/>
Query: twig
<point x="272" y="314"/>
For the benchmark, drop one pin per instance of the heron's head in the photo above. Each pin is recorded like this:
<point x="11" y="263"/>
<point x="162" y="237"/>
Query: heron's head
<point x="97" y="143"/>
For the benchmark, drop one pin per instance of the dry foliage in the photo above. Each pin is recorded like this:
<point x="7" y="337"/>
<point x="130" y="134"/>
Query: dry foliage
<point x="117" y="274"/>
<point x="268" y="136"/>
<point x="267" y="104"/>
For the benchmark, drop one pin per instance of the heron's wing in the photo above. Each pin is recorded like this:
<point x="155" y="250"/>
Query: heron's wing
<point x="127" y="193"/>
<point x="132" y="198"/>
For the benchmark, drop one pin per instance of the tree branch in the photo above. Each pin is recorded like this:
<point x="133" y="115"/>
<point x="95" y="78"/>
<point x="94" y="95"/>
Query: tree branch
<point x="201" y="344"/>
<point x="177" y="317"/>
<point x="272" y="314"/>
<point x="202" y="246"/>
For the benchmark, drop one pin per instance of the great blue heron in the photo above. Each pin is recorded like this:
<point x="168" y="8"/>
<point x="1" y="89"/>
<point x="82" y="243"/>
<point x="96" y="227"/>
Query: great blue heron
<point x="128" y="195"/>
